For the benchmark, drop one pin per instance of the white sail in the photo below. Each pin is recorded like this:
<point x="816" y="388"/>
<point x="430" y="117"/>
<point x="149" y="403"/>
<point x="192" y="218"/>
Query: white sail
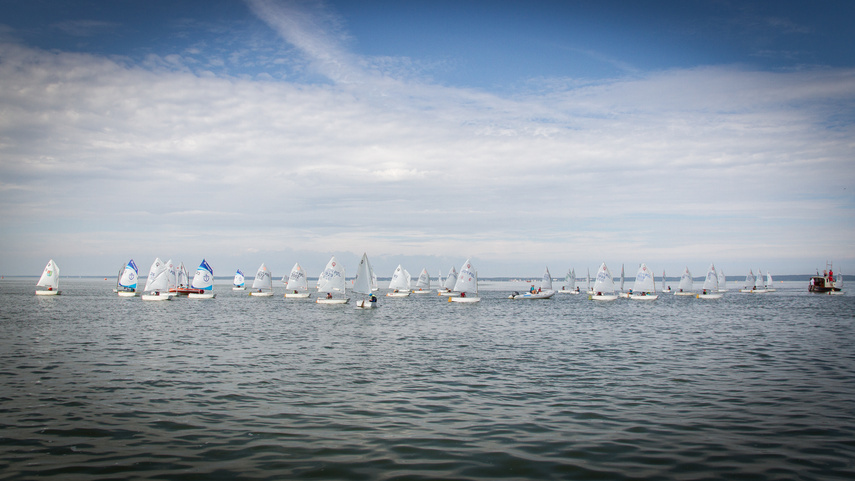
<point x="423" y="283"/>
<point x="467" y="280"/>
<point x="157" y="280"/>
<point x="838" y="280"/>
<point x="239" y="279"/>
<point x="439" y="279"/>
<point x="686" y="281"/>
<point x="768" y="279"/>
<point x="622" y="278"/>
<point x="50" y="276"/>
<point x="711" y="281"/>
<point x="588" y="280"/>
<point x="722" y="280"/>
<point x="664" y="285"/>
<point x="263" y="279"/>
<point x="332" y="278"/>
<point x="604" y="283"/>
<point x="399" y="280"/>
<point x="183" y="277"/>
<point x="570" y="280"/>
<point x="130" y="273"/>
<point x="749" y="280"/>
<point x="362" y="283"/>
<point x="451" y="279"/>
<point x="171" y="275"/>
<point x="372" y="275"/>
<point x="546" y="281"/>
<point x="297" y="280"/>
<point x="204" y="277"/>
<point x="759" y="285"/>
<point x="644" y="281"/>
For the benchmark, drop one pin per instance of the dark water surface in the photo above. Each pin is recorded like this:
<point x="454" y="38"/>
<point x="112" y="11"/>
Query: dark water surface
<point x="750" y="387"/>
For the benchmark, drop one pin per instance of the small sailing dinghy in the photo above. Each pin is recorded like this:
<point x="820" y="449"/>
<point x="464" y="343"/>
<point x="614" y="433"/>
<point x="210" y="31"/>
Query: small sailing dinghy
<point x="297" y="285"/>
<point x="544" y="292"/>
<point x="171" y="279"/>
<point x="400" y="284"/>
<point x="644" y="288"/>
<point x="710" y="289"/>
<point x="126" y="286"/>
<point x="331" y="282"/>
<point x="837" y="289"/>
<point x="769" y="285"/>
<point x="604" y="286"/>
<point x="466" y="284"/>
<point x="722" y="281"/>
<point x="262" y="286"/>
<point x="447" y="289"/>
<point x="569" y="286"/>
<point x="203" y="282"/>
<point x="686" y="282"/>
<point x="49" y="280"/>
<point x="665" y="287"/>
<point x="239" y="284"/>
<point x="423" y="283"/>
<point x="362" y="285"/>
<point x="749" y="282"/>
<point x="156" y="285"/>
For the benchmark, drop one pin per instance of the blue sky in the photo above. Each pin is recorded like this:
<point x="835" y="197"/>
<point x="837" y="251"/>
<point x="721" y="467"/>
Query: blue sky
<point x="522" y="134"/>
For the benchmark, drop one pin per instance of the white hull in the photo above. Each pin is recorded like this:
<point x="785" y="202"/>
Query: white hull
<point x="127" y="293"/>
<point x="564" y="291"/>
<point x="710" y="296"/>
<point x="770" y="290"/>
<point x="528" y="295"/>
<point x="685" y="294"/>
<point x="604" y="297"/>
<point x="722" y="290"/>
<point x="464" y="299"/>
<point x="48" y="293"/>
<point x="624" y="295"/>
<point x="397" y="294"/>
<point x="421" y="292"/>
<point x="299" y="295"/>
<point x="365" y="304"/>
<point x="753" y="291"/>
<point x="206" y="295"/>
<point x="262" y="294"/>
<point x="835" y="293"/>
<point x="449" y="293"/>
<point x="667" y="291"/>
<point x="651" y="297"/>
<point x="241" y="288"/>
<point x="156" y="297"/>
<point x="332" y="301"/>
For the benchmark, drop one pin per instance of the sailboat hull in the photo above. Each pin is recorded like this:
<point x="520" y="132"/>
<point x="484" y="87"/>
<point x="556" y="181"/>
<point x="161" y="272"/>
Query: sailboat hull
<point x="241" y="288"/>
<point x="528" y="295"/>
<point x="604" y="297"/>
<point x="205" y="295"/>
<point x="333" y="301"/>
<point x="448" y="293"/>
<point x="261" y="294"/>
<point x="365" y="304"/>
<point x="156" y="297"/>
<point x="397" y="294"/>
<point x="685" y="293"/>
<point x="299" y="295"/>
<point x="644" y="298"/>
<point x="421" y="292"/>
<point x="127" y="293"/>
<point x="710" y="296"/>
<point x="466" y="300"/>
<point x="48" y="293"/>
<point x="565" y="291"/>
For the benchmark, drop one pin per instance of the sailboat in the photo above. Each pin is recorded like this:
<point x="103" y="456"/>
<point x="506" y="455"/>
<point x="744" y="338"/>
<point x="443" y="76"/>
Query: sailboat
<point x="759" y="283"/>
<point x="332" y="281"/>
<point x="569" y="286"/>
<point x="203" y="282"/>
<point x="362" y="285"/>
<point x="372" y="276"/>
<point x="644" y="288"/>
<point x="447" y="289"/>
<point x="239" y="284"/>
<point x="156" y="285"/>
<point x="544" y="292"/>
<point x="769" y="285"/>
<point x="50" y="280"/>
<point x="749" y="282"/>
<point x="722" y="281"/>
<point x="262" y="286"/>
<point x="838" y="285"/>
<point x="126" y="285"/>
<point x="686" y="281"/>
<point x="588" y="287"/>
<point x="623" y="294"/>
<point x="171" y="278"/>
<point x="399" y="284"/>
<point x="665" y="287"/>
<point x="466" y="284"/>
<point x="710" y="289"/>
<point x="297" y="285"/>
<point x="604" y="286"/>
<point x="423" y="283"/>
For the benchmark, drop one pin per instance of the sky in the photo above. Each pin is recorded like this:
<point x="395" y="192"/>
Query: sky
<point x="520" y="134"/>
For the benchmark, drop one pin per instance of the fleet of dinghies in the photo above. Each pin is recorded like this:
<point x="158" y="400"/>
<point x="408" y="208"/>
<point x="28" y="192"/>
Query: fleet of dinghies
<point x="166" y="281"/>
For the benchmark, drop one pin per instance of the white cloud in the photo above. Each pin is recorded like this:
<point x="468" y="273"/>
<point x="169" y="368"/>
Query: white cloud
<point x="714" y="163"/>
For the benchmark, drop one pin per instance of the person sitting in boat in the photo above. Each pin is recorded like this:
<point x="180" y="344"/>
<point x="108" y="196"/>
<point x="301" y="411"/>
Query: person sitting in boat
<point x="329" y="295"/>
<point x="705" y="292"/>
<point x="372" y="298"/>
<point x="462" y="294"/>
<point x="577" y="289"/>
<point x="295" y="291"/>
<point x="532" y="289"/>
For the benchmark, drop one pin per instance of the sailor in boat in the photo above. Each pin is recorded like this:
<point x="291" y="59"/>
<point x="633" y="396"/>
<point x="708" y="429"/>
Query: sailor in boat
<point x="532" y="289"/>
<point x="295" y="291"/>
<point x="372" y="298"/>
<point x="329" y="295"/>
<point x="462" y="294"/>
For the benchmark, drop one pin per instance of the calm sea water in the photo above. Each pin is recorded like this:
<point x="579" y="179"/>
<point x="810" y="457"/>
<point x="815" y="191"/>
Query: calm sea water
<point x="750" y="387"/>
